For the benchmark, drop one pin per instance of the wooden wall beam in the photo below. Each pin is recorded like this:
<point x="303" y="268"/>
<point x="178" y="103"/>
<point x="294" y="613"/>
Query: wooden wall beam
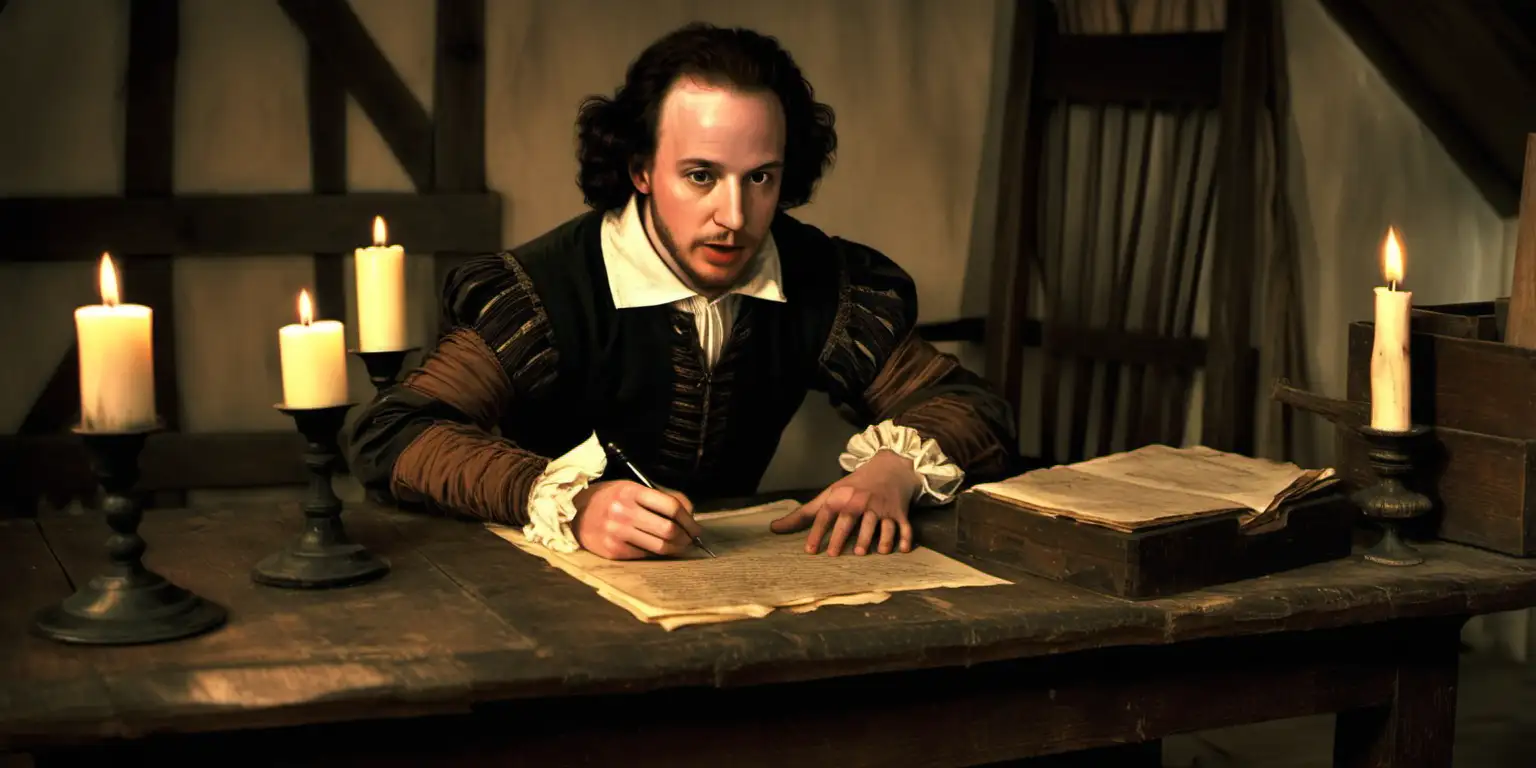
<point x="1437" y="85"/>
<point x="458" y="106"/>
<point x="1174" y="69"/>
<point x="327" y="97"/>
<point x="80" y="228"/>
<point x="56" y="467"/>
<point x="1227" y="421"/>
<point x="149" y="152"/>
<point x="341" y="44"/>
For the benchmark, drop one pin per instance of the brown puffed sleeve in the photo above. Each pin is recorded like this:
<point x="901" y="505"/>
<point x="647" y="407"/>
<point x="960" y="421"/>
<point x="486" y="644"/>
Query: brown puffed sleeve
<point x="430" y="440"/>
<point x="876" y="365"/>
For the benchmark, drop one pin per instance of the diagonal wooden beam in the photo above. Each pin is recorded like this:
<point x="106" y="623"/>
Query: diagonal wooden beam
<point x="341" y="44"/>
<point x="1496" y="178"/>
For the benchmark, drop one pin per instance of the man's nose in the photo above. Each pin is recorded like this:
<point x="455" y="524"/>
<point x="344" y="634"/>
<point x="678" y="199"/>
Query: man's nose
<point x="730" y="213"/>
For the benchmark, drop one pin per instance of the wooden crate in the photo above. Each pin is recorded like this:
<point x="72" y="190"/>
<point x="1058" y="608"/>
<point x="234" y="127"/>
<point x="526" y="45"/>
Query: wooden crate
<point x="1155" y="562"/>
<point x="1480" y="395"/>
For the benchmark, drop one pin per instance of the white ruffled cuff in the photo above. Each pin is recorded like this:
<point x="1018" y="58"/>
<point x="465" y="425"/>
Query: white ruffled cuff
<point x="939" y="476"/>
<point x="551" y="503"/>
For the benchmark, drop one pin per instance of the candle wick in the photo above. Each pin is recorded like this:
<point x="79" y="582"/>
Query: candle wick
<point x="1392" y="285"/>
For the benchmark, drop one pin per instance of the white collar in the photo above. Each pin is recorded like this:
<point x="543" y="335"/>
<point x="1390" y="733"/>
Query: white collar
<point x="637" y="277"/>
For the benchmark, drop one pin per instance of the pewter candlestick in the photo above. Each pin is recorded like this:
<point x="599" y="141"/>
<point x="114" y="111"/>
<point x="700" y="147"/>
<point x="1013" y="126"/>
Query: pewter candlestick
<point x="129" y="604"/>
<point x="1390" y="503"/>
<point x="384" y="365"/>
<point x="383" y="371"/>
<point x="323" y="556"/>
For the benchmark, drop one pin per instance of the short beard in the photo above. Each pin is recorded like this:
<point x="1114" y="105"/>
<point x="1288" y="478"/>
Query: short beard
<point x="679" y="266"/>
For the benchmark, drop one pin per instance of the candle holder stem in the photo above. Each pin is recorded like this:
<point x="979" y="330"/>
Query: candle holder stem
<point x="383" y="371"/>
<point x="129" y="603"/>
<point x="1390" y="502"/>
<point x="323" y="556"/>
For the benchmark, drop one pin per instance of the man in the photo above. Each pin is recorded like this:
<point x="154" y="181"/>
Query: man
<point x="683" y="319"/>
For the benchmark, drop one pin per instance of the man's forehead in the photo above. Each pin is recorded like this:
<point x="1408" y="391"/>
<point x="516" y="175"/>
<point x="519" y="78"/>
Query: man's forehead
<point x="721" y="123"/>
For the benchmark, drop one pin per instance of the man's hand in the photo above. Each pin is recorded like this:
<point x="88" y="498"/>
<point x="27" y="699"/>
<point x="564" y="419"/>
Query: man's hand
<point x="874" y="497"/>
<point x="624" y="520"/>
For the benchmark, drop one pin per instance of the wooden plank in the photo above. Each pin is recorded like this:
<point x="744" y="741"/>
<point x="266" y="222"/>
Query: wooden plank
<point x="56" y="466"/>
<point x="37" y="683"/>
<point x="1107" y="700"/>
<point x="1228" y="417"/>
<point x="1520" y="328"/>
<point x="421" y="615"/>
<point x="458" y="105"/>
<point x="1182" y="69"/>
<point x="458" y="100"/>
<point x="149" y="129"/>
<point x="342" y="45"/>
<point x="81" y="228"/>
<point x="327" y="98"/>
<point x="516" y="629"/>
<point x="1462" y="58"/>
<point x="1016" y="233"/>
<point x="1499" y="183"/>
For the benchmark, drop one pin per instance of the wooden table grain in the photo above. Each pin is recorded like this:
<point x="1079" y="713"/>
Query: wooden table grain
<point x="471" y="651"/>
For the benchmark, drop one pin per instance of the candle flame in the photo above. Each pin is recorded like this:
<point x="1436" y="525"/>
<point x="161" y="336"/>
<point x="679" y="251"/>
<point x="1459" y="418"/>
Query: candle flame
<point x="107" y="282"/>
<point x="306" y="309"/>
<point x="380" y="233"/>
<point x="1392" y="259"/>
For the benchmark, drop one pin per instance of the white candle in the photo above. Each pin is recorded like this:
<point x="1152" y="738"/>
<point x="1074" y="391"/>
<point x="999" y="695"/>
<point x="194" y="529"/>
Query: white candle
<point x="1390" y="383"/>
<point x="117" y="360"/>
<point x="314" y="360"/>
<point x="380" y="293"/>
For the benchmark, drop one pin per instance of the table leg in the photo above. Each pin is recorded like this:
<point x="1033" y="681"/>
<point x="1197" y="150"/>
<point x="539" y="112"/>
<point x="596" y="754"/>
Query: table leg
<point x="1418" y="727"/>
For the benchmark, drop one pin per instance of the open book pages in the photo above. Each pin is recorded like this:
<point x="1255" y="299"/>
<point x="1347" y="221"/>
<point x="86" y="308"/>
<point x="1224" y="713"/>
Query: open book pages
<point x="757" y="572"/>
<point x="1158" y="484"/>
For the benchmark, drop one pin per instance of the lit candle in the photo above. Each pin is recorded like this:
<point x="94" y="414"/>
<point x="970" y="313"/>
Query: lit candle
<point x="1390" y="387"/>
<point x="314" y="360"/>
<point x="117" y="360"/>
<point x="380" y="293"/>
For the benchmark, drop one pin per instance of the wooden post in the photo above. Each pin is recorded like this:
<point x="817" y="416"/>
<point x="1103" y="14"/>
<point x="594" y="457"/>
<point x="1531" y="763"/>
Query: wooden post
<point x="1521" y="329"/>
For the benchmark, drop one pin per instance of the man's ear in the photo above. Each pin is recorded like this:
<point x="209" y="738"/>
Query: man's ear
<point x="640" y="176"/>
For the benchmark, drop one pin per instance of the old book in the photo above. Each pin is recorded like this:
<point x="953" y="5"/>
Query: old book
<point x="1158" y="484"/>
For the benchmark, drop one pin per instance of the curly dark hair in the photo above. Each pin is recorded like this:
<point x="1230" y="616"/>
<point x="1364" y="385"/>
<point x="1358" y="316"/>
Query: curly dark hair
<point x="614" y="134"/>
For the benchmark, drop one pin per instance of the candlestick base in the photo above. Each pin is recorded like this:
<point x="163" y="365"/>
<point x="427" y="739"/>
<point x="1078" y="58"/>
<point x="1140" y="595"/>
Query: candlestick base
<point x="129" y="604"/>
<point x="323" y="556"/>
<point x="1390" y="503"/>
<point x="384" y="365"/>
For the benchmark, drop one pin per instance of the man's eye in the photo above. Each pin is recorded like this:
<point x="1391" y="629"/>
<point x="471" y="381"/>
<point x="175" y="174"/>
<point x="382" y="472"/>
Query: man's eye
<point x="761" y="177"/>
<point x="699" y="177"/>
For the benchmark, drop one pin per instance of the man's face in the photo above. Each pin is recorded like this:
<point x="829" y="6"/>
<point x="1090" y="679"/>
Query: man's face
<point x="713" y="183"/>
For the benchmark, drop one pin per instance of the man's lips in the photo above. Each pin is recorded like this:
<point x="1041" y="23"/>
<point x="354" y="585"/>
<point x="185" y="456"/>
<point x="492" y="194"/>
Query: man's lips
<point x="721" y="254"/>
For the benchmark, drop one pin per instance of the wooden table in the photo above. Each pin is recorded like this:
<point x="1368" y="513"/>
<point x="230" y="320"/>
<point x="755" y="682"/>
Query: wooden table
<point x="505" y="655"/>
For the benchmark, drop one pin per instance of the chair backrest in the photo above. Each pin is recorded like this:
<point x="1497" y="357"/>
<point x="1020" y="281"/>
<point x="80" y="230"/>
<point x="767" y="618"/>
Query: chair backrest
<point x="1107" y="238"/>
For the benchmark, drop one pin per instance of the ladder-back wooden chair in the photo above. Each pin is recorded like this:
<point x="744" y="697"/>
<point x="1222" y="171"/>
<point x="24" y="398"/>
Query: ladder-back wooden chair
<point x="1119" y="152"/>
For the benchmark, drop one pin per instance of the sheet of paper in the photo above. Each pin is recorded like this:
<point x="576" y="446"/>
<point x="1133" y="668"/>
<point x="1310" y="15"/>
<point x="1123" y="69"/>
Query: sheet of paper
<point x="757" y="572"/>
